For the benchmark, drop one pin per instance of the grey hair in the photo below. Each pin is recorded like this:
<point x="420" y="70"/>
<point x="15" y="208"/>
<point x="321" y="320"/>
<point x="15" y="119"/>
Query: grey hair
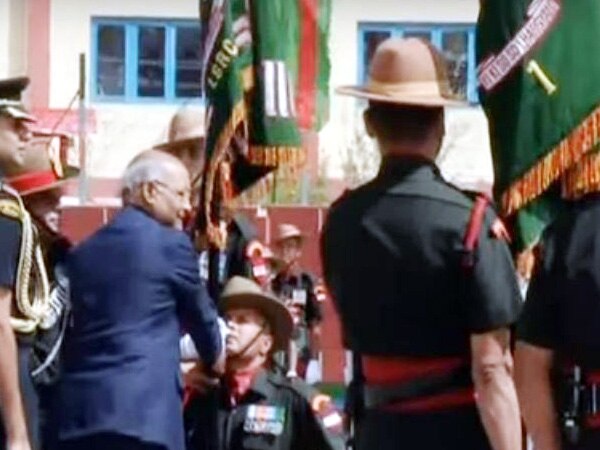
<point x="148" y="166"/>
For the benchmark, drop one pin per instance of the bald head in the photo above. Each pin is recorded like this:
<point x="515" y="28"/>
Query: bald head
<point x="159" y="183"/>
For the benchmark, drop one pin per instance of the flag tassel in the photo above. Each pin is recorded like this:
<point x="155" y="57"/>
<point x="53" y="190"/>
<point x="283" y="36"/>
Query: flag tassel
<point x="581" y="141"/>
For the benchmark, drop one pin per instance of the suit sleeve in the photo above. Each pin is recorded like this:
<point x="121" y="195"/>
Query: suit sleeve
<point x="196" y="309"/>
<point x="492" y="292"/>
<point x="10" y="241"/>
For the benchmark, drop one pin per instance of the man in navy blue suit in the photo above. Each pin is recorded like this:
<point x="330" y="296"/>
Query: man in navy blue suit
<point x="134" y="285"/>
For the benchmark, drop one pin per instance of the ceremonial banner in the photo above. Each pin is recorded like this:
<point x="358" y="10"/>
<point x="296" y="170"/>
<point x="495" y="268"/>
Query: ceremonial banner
<point x="539" y="71"/>
<point x="253" y="51"/>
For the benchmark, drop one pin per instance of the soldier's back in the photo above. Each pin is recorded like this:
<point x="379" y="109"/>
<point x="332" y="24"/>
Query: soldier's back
<point x="392" y="255"/>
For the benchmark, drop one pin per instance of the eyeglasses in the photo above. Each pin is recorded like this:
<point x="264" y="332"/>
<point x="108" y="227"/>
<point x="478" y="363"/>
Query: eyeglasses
<point x="183" y="194"/>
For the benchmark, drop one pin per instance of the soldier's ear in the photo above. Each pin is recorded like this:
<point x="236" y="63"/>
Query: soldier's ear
<point x="368" y="122"/>
<point x="266" y="344"/>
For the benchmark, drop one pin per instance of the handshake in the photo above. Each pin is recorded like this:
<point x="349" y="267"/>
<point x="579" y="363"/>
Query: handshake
<point x="194" y="374"/>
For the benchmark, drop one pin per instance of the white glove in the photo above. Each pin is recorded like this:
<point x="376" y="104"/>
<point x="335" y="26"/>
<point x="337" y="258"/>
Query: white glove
<point x="187" y="348"/>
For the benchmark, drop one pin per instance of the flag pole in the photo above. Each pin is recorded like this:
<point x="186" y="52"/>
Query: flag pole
<point x="83" y="176"/>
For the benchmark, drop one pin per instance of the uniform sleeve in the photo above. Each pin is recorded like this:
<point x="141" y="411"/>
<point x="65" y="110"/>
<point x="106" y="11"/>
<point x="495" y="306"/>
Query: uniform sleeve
<point x="10" y="241"/>
<point x="539" y="322"/>
<point x="195" y="307"/>
<point x="313" y="308"/>
<point x="492" y="291"/>
<point x="320" y="424"/>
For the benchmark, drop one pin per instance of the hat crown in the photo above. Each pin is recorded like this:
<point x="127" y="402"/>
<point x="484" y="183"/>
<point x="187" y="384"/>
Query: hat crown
<point x="410" y="62"/>
<point x="241" y="286"/>
<point x="12" y="88"/>
<point x="187" y="123"/>
<point x="407" y="72"/>
<point x="287" y="231"/>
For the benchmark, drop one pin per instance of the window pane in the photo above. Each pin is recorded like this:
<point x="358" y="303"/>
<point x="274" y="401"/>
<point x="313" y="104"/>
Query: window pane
<point x="371" y="40"/>
<point x="151" y="64"/>
<point x="189" y="63"/>
<point x="455" y="51"/>
<point x="111" y="60"/>
<point x="425" y="35"/>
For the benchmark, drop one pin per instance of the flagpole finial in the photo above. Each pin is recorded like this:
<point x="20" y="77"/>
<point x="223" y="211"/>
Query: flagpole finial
<point x="534" y="69"/>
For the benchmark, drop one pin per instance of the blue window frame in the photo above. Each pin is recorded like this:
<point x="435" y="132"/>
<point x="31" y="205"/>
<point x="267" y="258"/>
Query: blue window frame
<point x="456" y="42"/>
<point x="145" y="60"/>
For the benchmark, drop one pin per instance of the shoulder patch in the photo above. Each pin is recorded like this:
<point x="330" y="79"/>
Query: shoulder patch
<point x="320" y="292"/>
<point x="255" y="253"/>
<point x="325" y="410"/>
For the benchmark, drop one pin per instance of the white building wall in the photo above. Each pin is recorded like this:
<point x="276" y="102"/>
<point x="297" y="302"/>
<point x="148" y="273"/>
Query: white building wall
<point x="467" y="160"/>
<point x="123" y="130"/>
<point x="4" y="55"/>
<point x="13" y="38"/>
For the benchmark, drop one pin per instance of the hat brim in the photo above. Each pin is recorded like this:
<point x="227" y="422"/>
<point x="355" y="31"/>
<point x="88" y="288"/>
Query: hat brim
<point x="18" y="114"/>
<point x="435" y="101"/>
<point x="179" y="143"/>
<point x="301" y="237"/>
<point x="274" y="311"/>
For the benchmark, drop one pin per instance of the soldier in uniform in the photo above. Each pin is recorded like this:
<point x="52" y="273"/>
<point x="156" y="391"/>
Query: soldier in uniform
<point x="557" y="358"/>
<point x="258" y="407"/>
<point x="23" y="282"/>
<point x="422" y="276"/>
<point x="299" y="290"/>
<point x="48" y="164"/>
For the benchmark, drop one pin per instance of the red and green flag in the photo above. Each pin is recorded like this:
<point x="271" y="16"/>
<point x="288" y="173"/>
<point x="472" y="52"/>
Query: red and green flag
<point x="538" y="72"/>
<point x="265" y="76"/>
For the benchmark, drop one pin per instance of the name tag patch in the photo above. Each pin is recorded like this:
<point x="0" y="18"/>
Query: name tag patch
<point x="264" y="419"/>
<point x="299" y="297"/>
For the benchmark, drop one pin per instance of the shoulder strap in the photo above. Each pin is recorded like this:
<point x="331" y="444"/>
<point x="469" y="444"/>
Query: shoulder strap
<point x="473" y="231"/>
<point x="11" y="204"/>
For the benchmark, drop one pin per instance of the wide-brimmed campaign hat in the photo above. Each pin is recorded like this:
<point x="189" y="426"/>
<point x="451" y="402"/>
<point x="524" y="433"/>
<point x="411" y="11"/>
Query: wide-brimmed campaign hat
<point x="185" y="140"/>
<point x="50" y="160"/>
<point x="240" y="292"/>
<point x="10" y="99"/>
<point x="186" y="127"/>
<point x="406" y="72"/>
<point x="287" y="231"/>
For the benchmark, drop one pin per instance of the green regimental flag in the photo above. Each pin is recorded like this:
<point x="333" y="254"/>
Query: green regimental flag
<point x="265" y="73"/>
<point x="539" y="74"/>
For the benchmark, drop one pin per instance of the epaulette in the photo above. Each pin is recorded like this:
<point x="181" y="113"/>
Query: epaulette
<point x="11" y="205"/>
<point x="476" y="222"/>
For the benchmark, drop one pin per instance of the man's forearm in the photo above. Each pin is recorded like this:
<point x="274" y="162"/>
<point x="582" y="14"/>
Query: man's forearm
<point x="498" y="407"/>
<point x="10" y="395"/>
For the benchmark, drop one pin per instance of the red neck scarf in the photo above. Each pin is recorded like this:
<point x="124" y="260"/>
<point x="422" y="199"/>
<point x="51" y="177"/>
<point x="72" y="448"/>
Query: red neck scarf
<point x="238" y="384"/>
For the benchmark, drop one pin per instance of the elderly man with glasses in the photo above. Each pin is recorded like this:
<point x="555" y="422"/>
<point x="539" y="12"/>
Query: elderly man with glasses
<point x="134" y="285"/>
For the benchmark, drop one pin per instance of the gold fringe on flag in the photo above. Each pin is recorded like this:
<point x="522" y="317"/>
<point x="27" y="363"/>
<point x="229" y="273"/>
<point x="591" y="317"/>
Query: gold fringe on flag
<point x="292" y="157"/>
<point x="583" y="178"/>
<point x="216" y="233"/>
<point x="564" y="156"/>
